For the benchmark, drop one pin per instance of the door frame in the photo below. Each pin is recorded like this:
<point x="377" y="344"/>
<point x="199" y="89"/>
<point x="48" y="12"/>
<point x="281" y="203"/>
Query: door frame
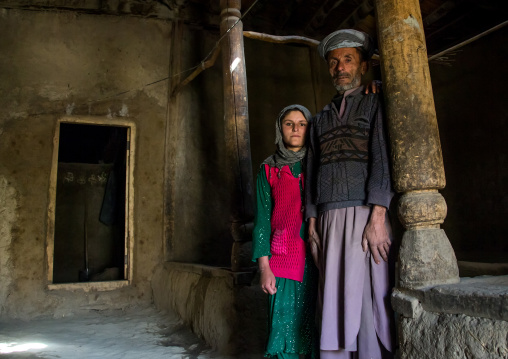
<point x="129" y="204"/>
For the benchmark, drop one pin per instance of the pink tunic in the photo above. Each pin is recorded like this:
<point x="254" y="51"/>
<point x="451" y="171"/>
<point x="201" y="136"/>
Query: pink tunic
<point x="286" y="245"/>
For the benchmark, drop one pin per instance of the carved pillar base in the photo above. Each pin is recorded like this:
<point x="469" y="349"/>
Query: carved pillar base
<point x="426" y="256"/>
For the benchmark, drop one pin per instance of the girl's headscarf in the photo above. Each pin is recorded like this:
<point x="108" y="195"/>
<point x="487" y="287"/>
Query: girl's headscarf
<point x="283" y="156"/>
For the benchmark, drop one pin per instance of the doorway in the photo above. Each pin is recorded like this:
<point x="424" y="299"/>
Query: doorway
<point x="90" y="202"/>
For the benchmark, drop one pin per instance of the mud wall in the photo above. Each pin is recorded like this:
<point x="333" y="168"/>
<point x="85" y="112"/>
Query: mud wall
<point x="55" y="64"/>
<point x="199" y="186"/>
<point x="472" y="112"/>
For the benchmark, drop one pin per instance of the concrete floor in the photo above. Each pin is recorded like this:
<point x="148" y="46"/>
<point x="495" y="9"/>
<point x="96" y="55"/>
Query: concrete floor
<point x="136" y="333"/>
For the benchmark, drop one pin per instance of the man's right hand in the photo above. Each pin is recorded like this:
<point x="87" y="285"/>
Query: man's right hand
<point x="314" y="241"/>
<point x="267" y="280"/>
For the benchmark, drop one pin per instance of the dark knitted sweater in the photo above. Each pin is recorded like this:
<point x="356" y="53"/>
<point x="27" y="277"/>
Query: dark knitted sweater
<point x="347" y="158"/>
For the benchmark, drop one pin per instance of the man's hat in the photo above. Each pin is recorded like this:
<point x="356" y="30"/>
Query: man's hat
<point x="346" y="38"/>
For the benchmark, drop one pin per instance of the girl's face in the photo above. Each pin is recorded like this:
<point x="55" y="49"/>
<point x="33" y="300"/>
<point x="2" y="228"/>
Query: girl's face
<point x="294" y="127"/>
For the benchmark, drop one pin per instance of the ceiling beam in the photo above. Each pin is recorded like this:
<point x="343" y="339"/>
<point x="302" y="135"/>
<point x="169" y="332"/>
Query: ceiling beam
<point x="361" y="12"/>
<point x="321" y="14"/>
<point x="439" y="12"/>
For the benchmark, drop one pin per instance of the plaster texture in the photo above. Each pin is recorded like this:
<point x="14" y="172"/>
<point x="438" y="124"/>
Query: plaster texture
<point x="8" y="208"/>
<point x="199" y="182"/>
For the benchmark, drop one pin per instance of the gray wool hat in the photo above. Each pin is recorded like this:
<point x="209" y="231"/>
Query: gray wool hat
<point x="346" y="38"/>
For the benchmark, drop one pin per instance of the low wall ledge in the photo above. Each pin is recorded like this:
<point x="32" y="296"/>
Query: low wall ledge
<point x="238" y="278"/>
<point x="485" y="297"/>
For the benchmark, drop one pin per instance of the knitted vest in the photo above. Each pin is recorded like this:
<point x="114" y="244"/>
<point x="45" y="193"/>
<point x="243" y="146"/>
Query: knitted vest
<point x="286" y="245"/>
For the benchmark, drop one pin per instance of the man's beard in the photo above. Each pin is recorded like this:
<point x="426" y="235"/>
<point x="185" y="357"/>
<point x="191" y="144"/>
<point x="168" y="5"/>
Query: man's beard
<point x="357" y="80"/>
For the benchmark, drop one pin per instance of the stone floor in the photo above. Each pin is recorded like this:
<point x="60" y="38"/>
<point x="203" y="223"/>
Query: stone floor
<point x="114" y="334"/>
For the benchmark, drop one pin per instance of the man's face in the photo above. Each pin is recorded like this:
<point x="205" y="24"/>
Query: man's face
<point x="346" y="68"/>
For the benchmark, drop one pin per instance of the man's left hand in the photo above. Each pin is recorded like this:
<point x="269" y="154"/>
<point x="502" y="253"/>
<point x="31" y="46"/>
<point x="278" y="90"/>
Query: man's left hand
<point x="375" y="235"/>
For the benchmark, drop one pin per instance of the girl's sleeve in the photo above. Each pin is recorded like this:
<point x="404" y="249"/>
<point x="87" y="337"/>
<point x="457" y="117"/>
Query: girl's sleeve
<point x="262" y="227"/>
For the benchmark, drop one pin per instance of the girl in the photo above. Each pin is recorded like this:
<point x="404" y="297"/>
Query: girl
<point x="279" y="241"/>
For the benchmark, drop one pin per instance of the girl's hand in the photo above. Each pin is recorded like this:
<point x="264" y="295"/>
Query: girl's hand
<point x="374" y="87"/>
<point x="267" y="280"/>
<point x="314" y="241"/>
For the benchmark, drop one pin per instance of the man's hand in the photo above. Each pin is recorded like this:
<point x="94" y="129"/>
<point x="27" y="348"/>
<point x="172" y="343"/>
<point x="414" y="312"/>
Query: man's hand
<point x="267" y="280"/>
<point x="375" y="235"/>
<point x="314" y="241"/>
<point x="374" y="87"/>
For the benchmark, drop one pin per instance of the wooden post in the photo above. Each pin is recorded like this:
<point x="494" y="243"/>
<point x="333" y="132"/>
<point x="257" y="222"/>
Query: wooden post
<point x="171" y="140"/>
<point x="236" y="118"/>
<point x="426" y="256"/>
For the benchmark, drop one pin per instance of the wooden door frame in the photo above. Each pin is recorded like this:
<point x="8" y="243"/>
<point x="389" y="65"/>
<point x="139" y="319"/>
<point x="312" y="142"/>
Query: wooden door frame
<point x="129" y="204"/>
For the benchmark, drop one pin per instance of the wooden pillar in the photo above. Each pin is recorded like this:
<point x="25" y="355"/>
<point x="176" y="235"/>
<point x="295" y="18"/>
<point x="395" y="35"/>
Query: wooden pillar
<point x="172" y="132"/>
<point x="236" y="118"/>
<point x="426" y="256"/>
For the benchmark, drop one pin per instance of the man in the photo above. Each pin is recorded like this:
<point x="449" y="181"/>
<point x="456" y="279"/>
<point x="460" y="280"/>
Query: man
<point x="348" y="191"/>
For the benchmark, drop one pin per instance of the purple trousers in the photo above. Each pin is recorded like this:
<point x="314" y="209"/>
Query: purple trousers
<point x="354" y="292"/>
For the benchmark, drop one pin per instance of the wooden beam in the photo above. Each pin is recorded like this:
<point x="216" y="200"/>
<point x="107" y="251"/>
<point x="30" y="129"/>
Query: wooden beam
<point x="204" y="65"/>
<point x="364" y="9"/>
<point x="439" y="12"/>
<point x="287" y="40"/>
<point x="172" y="132"/>
<point x="280" y="39"/>
<point x="468" y="41"/>
<point x="321" y="14"/>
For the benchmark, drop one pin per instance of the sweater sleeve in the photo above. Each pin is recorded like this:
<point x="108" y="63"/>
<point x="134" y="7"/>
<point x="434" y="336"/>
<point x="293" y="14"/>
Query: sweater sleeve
<point x="262" y="227"/>
<point x="311" y="173"/>
<point x="379" y="186"/>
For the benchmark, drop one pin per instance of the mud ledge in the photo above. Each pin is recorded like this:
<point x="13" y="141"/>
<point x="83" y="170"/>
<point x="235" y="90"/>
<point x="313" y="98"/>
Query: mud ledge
<point x="218" y="305"/>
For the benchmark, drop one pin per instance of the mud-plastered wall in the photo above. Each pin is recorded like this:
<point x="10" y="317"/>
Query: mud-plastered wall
<point x="472" y="113"/>
<point x="55" y="64"/>
<point x="200" y="193"/>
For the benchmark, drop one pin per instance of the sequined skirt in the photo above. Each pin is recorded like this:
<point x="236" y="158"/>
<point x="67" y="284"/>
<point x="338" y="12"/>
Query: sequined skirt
<point x="291" y="316"/>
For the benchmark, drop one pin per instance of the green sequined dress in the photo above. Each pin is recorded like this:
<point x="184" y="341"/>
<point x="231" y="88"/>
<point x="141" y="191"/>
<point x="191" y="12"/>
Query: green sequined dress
<point x="291" y="311"/>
